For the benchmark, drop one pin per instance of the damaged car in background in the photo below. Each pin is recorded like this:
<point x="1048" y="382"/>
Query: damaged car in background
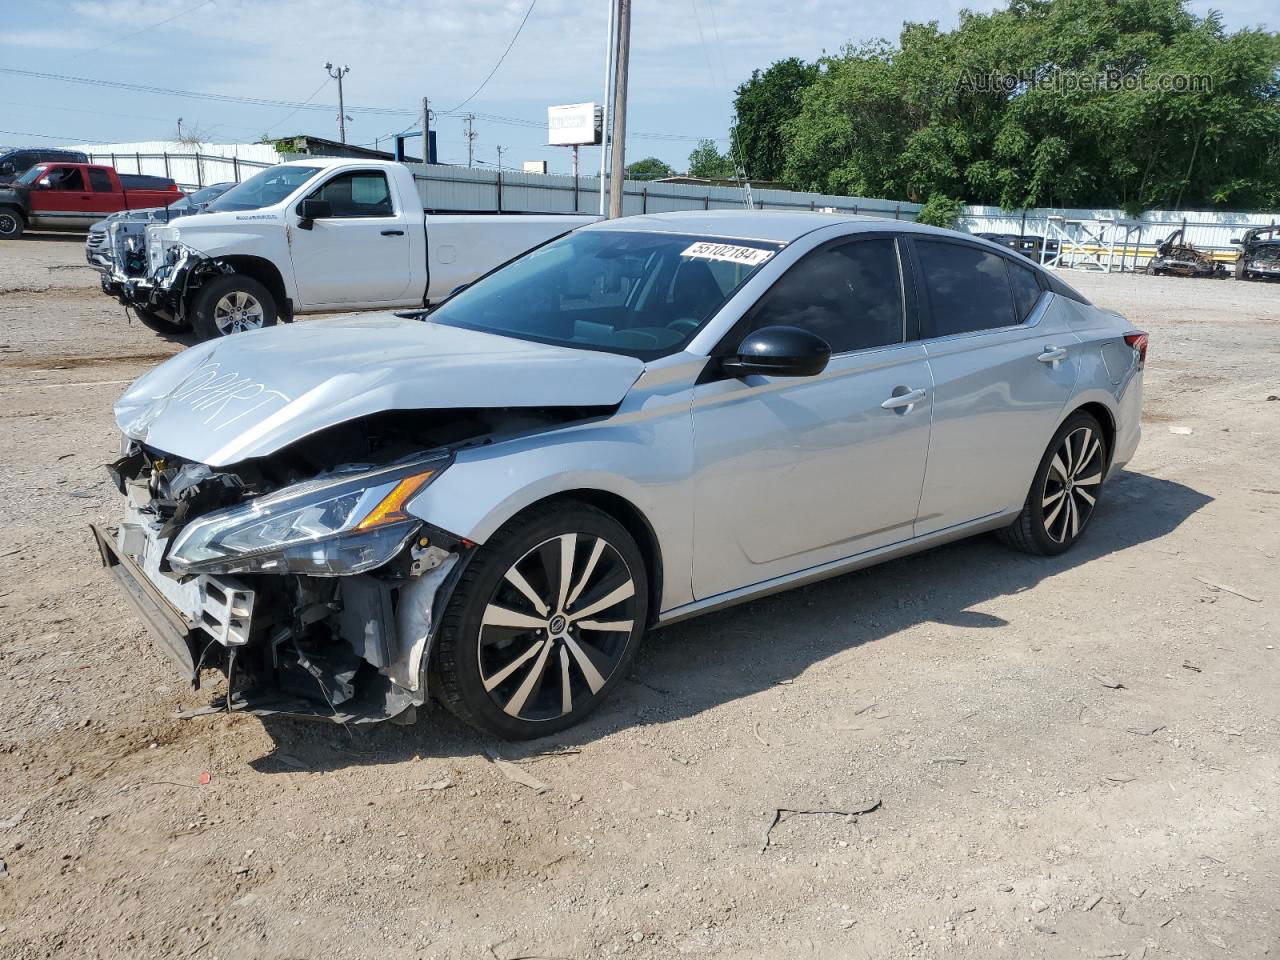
<point x="1259" y="256"/>
<point x="639" y="422"/>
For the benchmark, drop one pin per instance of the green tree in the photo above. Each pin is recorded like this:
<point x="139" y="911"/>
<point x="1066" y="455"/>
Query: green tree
<point x="1072" y="103"/>
<point x="762" y="105"/>
<point x="650" y="168"/>
<point x="940" y="211"/>
<point x="707" y="161"/>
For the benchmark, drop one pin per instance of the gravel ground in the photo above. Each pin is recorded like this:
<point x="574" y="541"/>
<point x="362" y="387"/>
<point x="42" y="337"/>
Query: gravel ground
<point x="1071" y="757"/>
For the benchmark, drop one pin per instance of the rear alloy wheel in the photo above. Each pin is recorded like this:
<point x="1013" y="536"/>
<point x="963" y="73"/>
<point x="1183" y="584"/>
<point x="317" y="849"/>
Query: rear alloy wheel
<point x="543" y="623"/>
<point x="1065" y="490"/>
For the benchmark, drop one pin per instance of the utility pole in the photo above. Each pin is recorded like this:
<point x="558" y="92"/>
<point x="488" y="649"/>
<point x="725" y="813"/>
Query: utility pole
<point x="610" y="45"/>
<point x="471" y="137"/>
<point x="426" y="131"/>
<point x="337" y="73"/>
<point x="500" y="149"/>
<point x="620" y="110"/>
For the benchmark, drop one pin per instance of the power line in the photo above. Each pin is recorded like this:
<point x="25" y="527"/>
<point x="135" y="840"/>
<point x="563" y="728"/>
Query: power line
<point x="218" y="97"/>
<point x="532" y="4"/>
<point x="45" y="136"/>
<point x="130" y="36"/>
<point x="304" y="105"/>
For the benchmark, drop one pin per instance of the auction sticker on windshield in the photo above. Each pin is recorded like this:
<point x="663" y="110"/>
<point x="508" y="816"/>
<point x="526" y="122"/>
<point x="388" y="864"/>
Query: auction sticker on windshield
<point x="730" y="252"/>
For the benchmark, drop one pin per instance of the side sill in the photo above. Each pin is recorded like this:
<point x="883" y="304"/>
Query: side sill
<point x="835" y="568"/>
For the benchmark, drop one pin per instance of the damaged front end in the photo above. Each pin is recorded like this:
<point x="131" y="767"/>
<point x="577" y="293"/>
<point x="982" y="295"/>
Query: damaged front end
<point x="311" y="589"/>
<point x="145" y="266"/>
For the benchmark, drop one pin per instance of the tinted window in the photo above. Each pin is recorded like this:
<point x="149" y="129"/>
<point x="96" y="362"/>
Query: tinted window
<point x="1026" y="289"/>
<point x="632" y="292"/>
<point x="361" y="194"/>
<point x="968" y="288"/>
<point x="66" y="178"/>
<point x="849" y="295"/>
<point x="100" y="180"/>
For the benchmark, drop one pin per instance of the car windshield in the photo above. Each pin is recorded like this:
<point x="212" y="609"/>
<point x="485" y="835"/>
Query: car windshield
<point x="636" y="293"/>
<point x="263" y="189"/>
<point x="32" y="175"/>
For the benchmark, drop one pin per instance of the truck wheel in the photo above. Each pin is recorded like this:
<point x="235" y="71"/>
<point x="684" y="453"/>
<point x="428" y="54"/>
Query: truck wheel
<point x="159" y="324"/>
<point x="232" y="304"/>
<point x="11" y="225"/>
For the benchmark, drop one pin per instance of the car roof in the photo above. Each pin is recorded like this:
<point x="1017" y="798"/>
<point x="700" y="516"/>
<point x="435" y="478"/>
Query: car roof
<point x="777" y="226"/>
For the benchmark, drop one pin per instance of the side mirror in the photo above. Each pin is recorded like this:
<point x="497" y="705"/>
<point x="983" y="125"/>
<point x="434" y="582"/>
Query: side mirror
<point x="311" y="210"/>
<point x="1235" y="239"/>
<point x="6" y="169"/>
<point x="780" y="352"/>
<point x="44" y="183"/>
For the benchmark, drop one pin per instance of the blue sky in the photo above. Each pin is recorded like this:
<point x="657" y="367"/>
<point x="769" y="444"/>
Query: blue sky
<point x="687" y="56"/>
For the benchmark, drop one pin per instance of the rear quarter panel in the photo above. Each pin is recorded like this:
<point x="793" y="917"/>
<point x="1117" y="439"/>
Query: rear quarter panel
<point x="1109" y="374"/>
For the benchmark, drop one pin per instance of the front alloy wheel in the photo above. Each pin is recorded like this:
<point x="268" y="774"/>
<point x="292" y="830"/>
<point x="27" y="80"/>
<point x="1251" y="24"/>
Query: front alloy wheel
<point x="543" y="623"/>
<point x="237" y="312"/>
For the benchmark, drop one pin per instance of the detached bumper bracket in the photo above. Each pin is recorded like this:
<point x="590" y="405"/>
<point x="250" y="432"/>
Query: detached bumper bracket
<point x="167" y="625"/>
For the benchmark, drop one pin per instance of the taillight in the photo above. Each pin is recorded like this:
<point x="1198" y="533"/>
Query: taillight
<point x="1139" y="343"/>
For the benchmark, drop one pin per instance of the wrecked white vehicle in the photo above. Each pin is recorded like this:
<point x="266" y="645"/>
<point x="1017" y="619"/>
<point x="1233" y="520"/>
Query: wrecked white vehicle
<point x="642" y="421"/>
<point x="309" y="236"/>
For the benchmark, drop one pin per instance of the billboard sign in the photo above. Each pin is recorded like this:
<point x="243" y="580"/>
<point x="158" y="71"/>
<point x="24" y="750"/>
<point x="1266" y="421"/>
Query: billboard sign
<point x="573" y="125"/>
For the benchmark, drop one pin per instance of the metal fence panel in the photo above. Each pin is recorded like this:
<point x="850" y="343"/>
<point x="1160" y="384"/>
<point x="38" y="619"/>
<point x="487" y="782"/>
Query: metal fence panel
<point x="448" y="188"/>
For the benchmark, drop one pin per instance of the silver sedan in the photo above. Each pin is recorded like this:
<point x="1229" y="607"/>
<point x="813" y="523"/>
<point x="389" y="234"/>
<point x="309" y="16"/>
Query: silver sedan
<point x="641" y="421"/>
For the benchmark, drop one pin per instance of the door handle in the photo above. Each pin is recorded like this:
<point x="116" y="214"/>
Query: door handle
<point x="393" y="233"/>
<point x="901" y="400"/>
<point x="1053" y="355"/>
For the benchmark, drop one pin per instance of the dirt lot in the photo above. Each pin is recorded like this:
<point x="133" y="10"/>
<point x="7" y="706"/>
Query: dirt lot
<point x="1073" y="757"/>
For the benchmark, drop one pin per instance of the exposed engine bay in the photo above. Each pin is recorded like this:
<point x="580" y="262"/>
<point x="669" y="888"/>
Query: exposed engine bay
<point x="142" y="268"/>
<point x="300" y="576"/>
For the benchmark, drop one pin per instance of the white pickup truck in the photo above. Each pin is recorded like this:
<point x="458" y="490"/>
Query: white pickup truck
<point x="310" y="236"/>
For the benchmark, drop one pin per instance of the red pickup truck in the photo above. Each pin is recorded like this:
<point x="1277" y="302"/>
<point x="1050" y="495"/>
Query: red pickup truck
<point x="71" y="196"/>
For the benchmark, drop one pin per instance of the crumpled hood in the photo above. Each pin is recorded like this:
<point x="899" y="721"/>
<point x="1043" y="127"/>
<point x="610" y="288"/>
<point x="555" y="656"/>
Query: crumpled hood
<point x="251" y="394"/>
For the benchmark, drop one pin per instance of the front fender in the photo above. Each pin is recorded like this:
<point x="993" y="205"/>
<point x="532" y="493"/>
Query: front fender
<point x="644" y="459"/>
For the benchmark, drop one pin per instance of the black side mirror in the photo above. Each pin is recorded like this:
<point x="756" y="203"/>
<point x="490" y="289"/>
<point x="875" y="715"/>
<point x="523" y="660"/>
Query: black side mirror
<point x="780" y="352"/>
<point x="6" y="169"/>
<point x="1235" y="239"/>
<point x="311" y="210"/>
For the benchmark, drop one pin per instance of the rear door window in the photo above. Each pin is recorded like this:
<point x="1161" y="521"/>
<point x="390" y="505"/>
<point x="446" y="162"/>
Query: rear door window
<point x="968" y="288"/>
<point x="100" y="180"/>
<point x="849" y="294"/>
<point x="1026" y="289"/>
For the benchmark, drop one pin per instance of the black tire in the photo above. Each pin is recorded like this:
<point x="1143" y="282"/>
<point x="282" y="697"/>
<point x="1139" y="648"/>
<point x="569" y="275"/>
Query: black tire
<point x="1040" y="528"/>
<point x="475" y="655"/>
<point x="1240" y="272"/>
<point x="207" y="305"/>
<point x="157" y="323"/>
<point x="12" y="224"/>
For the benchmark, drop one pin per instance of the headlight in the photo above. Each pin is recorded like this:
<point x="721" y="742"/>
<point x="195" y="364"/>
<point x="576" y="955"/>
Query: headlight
<point x="325" y="528"/>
